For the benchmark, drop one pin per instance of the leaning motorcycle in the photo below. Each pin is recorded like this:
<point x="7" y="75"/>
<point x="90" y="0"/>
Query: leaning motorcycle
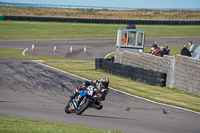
<point x="83" y="100"/>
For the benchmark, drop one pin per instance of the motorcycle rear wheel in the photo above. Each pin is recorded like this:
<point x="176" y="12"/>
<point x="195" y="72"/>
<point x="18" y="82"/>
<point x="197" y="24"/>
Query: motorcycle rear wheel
<point x="85" y="103"/>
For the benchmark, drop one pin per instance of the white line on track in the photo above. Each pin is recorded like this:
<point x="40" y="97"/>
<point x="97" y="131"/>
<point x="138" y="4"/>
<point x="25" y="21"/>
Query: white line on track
<point x="24" y="51"/>
<point x="109" y="54"/>
<point x="119" y="90"/>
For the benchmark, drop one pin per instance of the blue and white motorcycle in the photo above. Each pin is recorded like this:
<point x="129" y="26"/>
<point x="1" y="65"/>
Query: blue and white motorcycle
<point x="83" y="100"/>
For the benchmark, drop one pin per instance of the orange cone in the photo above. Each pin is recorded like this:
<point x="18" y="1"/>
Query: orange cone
<point x="71" y="49"/>
<point x="85" y="49"/>
<point x="54" y="49"/>
<point x="33" y="47"/>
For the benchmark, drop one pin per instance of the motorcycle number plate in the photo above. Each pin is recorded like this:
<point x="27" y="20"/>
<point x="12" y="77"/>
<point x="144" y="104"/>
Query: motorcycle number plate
<point x="90" y="90"/>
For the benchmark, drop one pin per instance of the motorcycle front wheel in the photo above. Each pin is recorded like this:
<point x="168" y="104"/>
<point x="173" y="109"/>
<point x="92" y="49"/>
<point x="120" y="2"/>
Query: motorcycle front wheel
<point x="67" y="109"/>
<point x="84" y="104"/>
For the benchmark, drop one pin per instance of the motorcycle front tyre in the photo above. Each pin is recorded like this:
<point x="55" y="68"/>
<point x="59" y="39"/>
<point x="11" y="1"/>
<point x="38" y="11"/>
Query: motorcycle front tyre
<point x="84" y="107"/>
<point x="67" y="109"/>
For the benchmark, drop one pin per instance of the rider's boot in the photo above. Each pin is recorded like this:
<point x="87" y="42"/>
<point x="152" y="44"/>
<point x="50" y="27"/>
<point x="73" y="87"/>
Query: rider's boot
<point x="99" y="107"/>
<point x="97" y="104"/>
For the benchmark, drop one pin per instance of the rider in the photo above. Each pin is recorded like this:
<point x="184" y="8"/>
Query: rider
<point x="101" y="85"/>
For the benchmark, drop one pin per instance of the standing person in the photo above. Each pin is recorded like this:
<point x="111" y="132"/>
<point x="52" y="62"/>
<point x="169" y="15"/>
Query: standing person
<point x="167" y="50"/>
<point x="191" y="48"/>
<point x="163" y="51"/>
<point x="185" y="51"/>
<point x="124" y="39"/>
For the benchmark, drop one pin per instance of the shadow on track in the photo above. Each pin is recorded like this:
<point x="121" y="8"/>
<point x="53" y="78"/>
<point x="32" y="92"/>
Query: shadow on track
<point x="109" y="117"/>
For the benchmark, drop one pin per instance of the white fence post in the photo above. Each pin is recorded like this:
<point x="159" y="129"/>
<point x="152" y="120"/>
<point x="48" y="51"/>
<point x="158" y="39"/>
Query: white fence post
<point x="172" y="68"/>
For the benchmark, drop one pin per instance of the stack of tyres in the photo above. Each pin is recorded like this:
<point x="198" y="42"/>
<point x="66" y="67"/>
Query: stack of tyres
<point x="107" y="59"/>
<point x="118" y="69"/>
<point x="140" y="75"/>
<point x="98" y="63"/>
<point x="112" y="68"/>
<point x="145" y="76"/>
<point x="128" y="71"/>
<point x="107" y="66"/>
<point x="149" y="77"/>
<point x="156" y="78"/>
<point x="160" y="79"/>
<point x="124" y="71"/>
<point x="112" y="59"/>
<point x="133" y="73"/>
<point x="104" y="65"/>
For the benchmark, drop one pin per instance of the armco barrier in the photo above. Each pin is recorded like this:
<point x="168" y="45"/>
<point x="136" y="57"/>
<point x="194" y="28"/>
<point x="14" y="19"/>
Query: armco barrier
<point x="135" y="73"/>
<point x="104" y="21"/>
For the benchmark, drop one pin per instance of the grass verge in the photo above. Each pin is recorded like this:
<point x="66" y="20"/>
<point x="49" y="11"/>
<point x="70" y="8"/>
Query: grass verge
<point x="20" y="30"/>
<point x="87" y="70"/>
<point x="15" y="125"/>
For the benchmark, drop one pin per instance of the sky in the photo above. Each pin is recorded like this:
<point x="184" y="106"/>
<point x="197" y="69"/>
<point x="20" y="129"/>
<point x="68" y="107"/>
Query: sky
<point x="158" y="4"/>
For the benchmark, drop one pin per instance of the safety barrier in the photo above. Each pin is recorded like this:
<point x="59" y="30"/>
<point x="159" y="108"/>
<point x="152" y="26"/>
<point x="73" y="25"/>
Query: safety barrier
<point x="104" y="21"/>
<point x="150" y="77"/>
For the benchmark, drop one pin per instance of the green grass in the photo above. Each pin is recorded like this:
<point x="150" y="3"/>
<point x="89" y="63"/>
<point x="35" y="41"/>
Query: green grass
<point x="17" y="54"/>
<point x="19" y="30"/>
<point x="19" y="125"/>
<point x="87" y="70"/>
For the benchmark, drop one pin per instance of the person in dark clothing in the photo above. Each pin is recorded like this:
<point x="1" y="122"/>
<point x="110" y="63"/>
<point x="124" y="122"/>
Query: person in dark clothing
<point x="185" y="51"/>
<point x="167" y="49"/>
<point x="155" y="46"/>
<point x="163" y="51"/>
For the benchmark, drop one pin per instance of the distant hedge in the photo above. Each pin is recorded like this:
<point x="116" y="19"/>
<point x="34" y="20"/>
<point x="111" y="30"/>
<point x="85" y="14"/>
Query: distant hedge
<point x="104" y="21"/>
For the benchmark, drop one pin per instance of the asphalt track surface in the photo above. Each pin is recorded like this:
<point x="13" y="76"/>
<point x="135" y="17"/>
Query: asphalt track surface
<point x="95" y="48"/>
<point x="34" y="91"/>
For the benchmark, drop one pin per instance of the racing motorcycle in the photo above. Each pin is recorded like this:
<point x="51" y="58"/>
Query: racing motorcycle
<point x="83" y="100"/>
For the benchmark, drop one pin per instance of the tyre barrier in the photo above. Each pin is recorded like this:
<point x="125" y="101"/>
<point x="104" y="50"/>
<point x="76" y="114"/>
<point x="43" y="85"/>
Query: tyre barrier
<point x="104" y="21"/>
<point x="98" y="63"/>
<point x="146" y="76"/>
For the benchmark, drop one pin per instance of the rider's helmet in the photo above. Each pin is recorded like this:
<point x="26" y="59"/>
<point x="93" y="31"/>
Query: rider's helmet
<point x="104" y="82"/>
